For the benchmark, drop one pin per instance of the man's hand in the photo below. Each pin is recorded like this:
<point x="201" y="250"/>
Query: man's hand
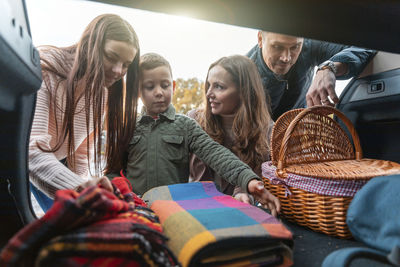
<point x="104" y="182"/>
<point x="321" y="87"/>
<point x="262" y="195"/>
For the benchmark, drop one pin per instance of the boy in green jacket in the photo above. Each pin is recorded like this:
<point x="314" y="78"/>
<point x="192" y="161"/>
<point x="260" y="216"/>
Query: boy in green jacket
<point x="158" y="153"/>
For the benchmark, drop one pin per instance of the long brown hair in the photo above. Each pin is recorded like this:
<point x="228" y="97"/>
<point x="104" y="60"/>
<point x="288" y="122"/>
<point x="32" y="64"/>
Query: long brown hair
<point x="81" y="68"/>
<point x="252" y="120"/>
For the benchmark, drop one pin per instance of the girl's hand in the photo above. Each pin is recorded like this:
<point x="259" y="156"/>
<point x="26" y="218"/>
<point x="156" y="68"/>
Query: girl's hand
<point x="104" y="182"/>
<point x="262" y="195"/>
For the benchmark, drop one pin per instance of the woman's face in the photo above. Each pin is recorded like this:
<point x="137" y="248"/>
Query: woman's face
<point x="118" y="55"/>
<point x="222" y="92"/>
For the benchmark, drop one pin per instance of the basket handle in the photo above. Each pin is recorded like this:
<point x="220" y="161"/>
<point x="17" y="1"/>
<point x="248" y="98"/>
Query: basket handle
<point x="320" y="110"/>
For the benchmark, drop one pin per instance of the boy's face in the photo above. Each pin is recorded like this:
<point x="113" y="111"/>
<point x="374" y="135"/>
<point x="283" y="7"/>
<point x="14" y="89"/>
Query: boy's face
<point x="156" y="89"/>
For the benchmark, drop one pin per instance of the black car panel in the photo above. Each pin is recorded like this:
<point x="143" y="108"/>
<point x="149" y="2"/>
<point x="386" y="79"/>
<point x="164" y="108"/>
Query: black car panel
<point x="371" y="102"/>
<point x="20" y="78"/>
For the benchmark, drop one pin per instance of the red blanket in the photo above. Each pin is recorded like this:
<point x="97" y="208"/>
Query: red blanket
<point x="92" y="228"/>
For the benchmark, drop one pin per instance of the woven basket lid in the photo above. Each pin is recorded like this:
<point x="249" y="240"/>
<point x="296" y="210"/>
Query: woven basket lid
<point x="309" y="142"/>
<point x="346" y="169"/>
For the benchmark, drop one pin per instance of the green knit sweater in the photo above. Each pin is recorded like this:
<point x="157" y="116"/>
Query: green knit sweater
<point x="158" y="153"/>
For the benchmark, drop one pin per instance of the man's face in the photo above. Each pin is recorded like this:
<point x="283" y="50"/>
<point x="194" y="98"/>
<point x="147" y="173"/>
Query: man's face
<point x="280" y="52"/>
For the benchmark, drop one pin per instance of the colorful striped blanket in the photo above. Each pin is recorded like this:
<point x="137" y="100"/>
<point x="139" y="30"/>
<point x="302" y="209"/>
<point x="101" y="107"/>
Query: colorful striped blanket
<point x="208" y="228"/>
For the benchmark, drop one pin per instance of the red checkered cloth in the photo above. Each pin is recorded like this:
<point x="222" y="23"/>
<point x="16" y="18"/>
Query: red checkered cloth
<point x="92" y="228"/>
<point x="326" y="187"/>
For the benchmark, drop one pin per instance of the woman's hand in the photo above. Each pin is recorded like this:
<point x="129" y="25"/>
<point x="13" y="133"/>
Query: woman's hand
<point x="262" y="195"/>
<point x="104" y="182"/>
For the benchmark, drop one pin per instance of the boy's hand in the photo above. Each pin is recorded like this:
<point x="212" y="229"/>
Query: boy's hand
<point x="262" y="195"/>
<point x="243" y="197"/>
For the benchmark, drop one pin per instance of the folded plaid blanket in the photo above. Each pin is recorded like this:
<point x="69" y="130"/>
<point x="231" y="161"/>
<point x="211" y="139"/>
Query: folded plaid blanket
<point x="208" y="228"/>
<point x="92" y="228"/>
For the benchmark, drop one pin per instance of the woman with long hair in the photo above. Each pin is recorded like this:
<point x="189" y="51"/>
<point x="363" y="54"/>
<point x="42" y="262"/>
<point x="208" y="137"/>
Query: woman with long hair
<point x="236" y="115"/>
<point x="83" y="93"/>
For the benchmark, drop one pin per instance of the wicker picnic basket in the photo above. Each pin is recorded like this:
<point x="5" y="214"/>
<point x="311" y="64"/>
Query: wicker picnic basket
<point x="310" y="143"/>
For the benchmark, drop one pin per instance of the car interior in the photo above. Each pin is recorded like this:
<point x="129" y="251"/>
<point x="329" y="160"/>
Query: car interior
<point x="371" y="100"/>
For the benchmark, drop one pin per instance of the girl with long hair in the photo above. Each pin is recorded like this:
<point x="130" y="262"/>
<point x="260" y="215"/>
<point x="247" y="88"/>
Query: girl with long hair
<point x="82" y="94"/>
<point x="236" y="115"/>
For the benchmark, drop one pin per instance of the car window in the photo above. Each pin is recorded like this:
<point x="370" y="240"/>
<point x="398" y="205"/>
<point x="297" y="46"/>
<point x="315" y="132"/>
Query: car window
<point x="190" y="45"/>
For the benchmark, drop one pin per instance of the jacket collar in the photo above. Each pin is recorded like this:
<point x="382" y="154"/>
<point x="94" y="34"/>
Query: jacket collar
<point x="169" y="114"/>
<point x="259" y="60"/>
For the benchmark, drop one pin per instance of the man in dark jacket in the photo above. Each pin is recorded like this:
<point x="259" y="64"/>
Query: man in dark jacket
<point x="286" y="65"/>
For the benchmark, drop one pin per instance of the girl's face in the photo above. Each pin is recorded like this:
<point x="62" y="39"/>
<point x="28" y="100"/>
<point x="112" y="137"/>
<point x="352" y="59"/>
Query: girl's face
<point x="222" y="92"/>
<point x="118" y="55"/>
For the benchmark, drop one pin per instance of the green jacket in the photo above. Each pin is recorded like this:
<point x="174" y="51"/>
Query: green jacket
<point x="158" y="153"/>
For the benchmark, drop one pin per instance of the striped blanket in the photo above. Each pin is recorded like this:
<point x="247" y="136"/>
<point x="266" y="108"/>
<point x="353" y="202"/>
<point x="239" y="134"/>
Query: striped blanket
<point x="208" y="228"/>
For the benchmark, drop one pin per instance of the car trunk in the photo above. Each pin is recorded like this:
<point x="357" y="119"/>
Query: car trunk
<point x="371" y="102"/>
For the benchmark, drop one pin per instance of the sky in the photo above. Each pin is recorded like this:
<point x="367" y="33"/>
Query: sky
<point x="190" y="45"/>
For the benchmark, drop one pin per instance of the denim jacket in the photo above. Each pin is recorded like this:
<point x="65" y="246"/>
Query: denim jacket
<point x="290" y="92"/>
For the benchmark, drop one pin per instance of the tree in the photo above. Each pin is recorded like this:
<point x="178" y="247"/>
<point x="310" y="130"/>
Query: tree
<point x="189" y="94"/>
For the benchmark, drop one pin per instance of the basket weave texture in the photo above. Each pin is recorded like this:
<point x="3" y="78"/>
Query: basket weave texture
<point x="310" y="143"/>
